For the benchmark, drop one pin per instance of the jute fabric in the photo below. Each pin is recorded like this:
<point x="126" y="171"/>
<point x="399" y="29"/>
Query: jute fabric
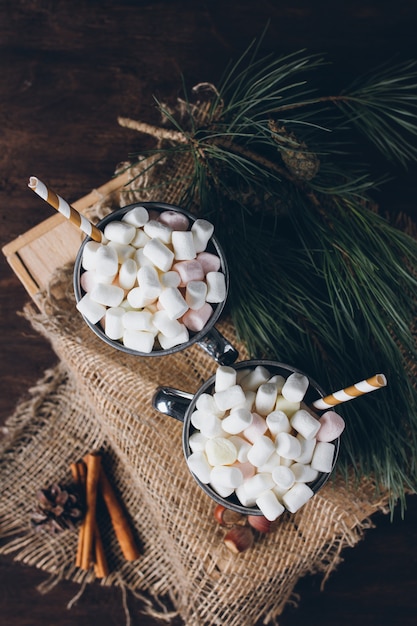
<point x="99" y="398"/>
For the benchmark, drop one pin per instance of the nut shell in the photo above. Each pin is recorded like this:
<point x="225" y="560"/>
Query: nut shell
<point x="238" y="539"/>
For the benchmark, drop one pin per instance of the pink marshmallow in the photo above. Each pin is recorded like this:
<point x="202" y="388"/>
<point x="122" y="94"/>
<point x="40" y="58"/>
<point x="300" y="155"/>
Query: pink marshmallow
<point x="176" y="221"/>
<point x="196" y="320"/>
<point x="257" y="428"/>
<point x="209" y="262"/>
<point x="189" y="270"/>
<point x="331" y="426"/>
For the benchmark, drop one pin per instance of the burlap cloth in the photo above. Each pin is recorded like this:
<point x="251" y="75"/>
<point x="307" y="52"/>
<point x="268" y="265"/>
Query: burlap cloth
<point x="99" y="398"/>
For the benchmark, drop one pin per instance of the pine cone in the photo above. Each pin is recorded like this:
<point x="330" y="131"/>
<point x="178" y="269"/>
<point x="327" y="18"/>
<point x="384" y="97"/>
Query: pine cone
<point x="299" y="161"/>
<point x="57" y="509"/>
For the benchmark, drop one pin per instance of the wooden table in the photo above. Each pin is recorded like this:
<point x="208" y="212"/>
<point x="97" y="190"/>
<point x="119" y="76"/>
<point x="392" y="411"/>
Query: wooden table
<point x="69" y="70"/>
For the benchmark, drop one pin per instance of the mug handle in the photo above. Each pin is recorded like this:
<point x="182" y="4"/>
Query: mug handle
<point x="172" y="402"/>
<point x="218" y="347"/>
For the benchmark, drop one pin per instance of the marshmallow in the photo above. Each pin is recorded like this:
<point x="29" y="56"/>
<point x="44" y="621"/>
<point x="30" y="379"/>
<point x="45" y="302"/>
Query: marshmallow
<point x="107" y="262"/>
<point x="206" y="404"/>
<point x="220" y="451"/>
<point x="256" y="429"/>
<point x="225" y="377"/>
<point x="183" y="244"/>
<point x="288" y="446"/>
<point x="323" y="456"/>
<point x="260" y="451"/>
<point x="195" y="320"/>
<point x="174" y="219"/>
<point x="148" y="280"/>
<point x="331" y="426"/>
<point x="297" y="496"/>
<point x="243" y="497"/>
<point x="138" y="216"/>
<point x="283" y="477"/>
<point x="209" y="262"/>
<point x="138" y="320"/>
<point x="173" y="302"/>
<point x="216" y="287"/>
<point x="211" y="426"/>
<point x="124" y="251"/>
<point x="140" y="239"/>
<point x="304" y="473"/>
<point x="242" y="447"/>
<point x="128" y="274"/>
<point x="278" y="380"/>
<point x="157" y="230"/>
<point x="270" y="506"/>
<point x="223" y="491"/>
<point x="170" y="279"/>
<point x="201" y="230"/>
<point x="226" y="476"/>
<point x="285" y="405"/>
<point x="278" y="422"/>
<point x="195" y="294"/>
<point x="141" y="259"/>
<point x="304" y="423"/>
<point x="237" y="421"/>
<point x="138" y="340"/>
<point x="160" y="255"/>
<point x="247" y="469"/>
<point x="295" y="387"/>
<point x="169" y="342"/>
<point x="88" y="280"/>
<point x="197" y="442"/>
<point x="88" y="260"/>
<point x="137" y="299"/>
<point x="113" y="325"/>
<point x="165" y="325"/>
<point x="249" y="400"/>
<point x="188" y="270"/>
<point x="266" y="397"/>
<point x="255" y="378"/>
<point x="199" y="466"/>
<point x="197" y="418"/>
<point x="307" y="449"/>
<point x="229" y="398"/>
<point x="273" y="461"/>
<point x="108" y="295"/>
<point x="119" y="232"/>
<point x="254" y="486"/>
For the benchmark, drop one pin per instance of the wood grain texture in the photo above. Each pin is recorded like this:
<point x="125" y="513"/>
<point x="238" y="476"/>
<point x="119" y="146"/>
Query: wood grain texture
<point x="69" y="70"/>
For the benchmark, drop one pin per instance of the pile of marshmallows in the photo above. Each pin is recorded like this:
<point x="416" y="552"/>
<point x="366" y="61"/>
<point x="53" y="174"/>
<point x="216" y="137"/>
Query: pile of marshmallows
<point x="254" y="439"/>
<point x="151" y="281"/>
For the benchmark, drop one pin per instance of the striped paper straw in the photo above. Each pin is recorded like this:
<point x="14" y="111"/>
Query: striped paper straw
<point x="64" y="208"/>
<point x="365" y="386"/>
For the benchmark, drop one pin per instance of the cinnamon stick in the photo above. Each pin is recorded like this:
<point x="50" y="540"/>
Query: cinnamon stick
<point x="79" y="473"/>
<point x="93" y="462"/>
<point x="100" y="562"/>
<point x="119" y="519"/>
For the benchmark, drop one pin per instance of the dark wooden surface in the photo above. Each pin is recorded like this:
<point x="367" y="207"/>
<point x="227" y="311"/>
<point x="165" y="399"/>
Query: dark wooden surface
<point x="68" y="70"/>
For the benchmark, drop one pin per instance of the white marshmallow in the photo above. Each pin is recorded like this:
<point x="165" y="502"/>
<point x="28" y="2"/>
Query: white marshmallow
<point x="295" y="387"/>
<point x="108" y="295"/>
<point x="304" y="423"/>
<point x="206" y="404"/>
<point x="195" y="294"/>
<point x="278" y="380"/>
<point x="199" y="466"/>
<point x="138" y="340"/>
<point x="120" y="232"/>
<point x="226" y="476"/>
<point x="148" y="280"/>
<point x="255" y="378"/>
<point x="243" y="497"/>
<point x="288" y="446"/>
<point x="237" y="421"/>
<point x="201" y="230"/>
<point x="288" y="407"/>
<point x="225" y="377"/>
<point x="260" y="451"/>
<point x="220" y="451"/>
<point x="323" y="456"/>
<point x="256" y="429"/>
<point x="273" y="461"/>
<point x="229" y="398"/>
<point x="140" y="239"/>
<point x="138" y="216"/>
<point x="278" y="422"/>
<point x="331" y="426"/>
<point x="216" y="287"/>
<point x="107" y="262"/>
<point x="169" y="342"/>
<point x="172" y="300"/>
<point x="170" y="279"/>
<point x="166" y="325"/>
<point x="197" y="417"/>
<point x="138" y="320"/>
<point x="128" y="274"/>
<point x="211" y="426"/>
<point x="304" y="473"/>
<point x="242" y="446"/>
<point x="257" y="484"/>
<point x="174" y="219"/>
<point x="283" y="477"/>
<point x="158" y="230"/>
<point x="195" y="320"/>
<point x="141" y="259"/>
<point x="88" y="280"/>
<point x="124" y="251"/>
<point x="266" y="397"/>
<point x="113" y="325"/>
<point x="197" y="442"/>
<point x="224" y="492"/>
<point x="160" y="255"/>
<point x="270" y="506"/>
<point x="88" y="261"/>
<point x="183" y="244"/>
<point x="297" y="496"/>
<point x="307" y="449"/>
<point x="136" y="298"/>
<point x="249" y="400"/>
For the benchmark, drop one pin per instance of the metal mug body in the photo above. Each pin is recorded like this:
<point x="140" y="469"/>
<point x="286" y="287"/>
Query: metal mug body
<point x="181" y="405"/>
<point x="209" y="338"/>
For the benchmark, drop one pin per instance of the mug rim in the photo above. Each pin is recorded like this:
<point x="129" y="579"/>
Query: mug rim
<point x="232" y="502"/>
<point x="118" y="345"/>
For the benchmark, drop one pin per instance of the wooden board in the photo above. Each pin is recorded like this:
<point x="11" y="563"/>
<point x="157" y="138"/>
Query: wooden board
<point x="36" y="254"/>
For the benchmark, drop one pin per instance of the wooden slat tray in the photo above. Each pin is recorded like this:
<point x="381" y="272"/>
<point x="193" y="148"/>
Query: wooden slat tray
<point x="35" y="255"/>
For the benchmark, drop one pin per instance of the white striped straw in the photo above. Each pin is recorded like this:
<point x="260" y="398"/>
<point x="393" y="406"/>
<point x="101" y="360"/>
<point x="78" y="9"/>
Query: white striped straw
<point x="65" y="209"/>
<point x="358" y="389"/>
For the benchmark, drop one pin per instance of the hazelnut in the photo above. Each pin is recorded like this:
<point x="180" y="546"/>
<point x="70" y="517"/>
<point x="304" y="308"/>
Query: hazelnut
<point x="227" y="517"/>
<point x="238" y="539"/>
<point x="260" y="523"/>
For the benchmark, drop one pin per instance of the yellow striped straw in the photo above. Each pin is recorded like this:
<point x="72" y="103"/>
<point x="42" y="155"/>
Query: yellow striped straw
<point x="358" y="389"/>
<point x="65" y="209"/>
